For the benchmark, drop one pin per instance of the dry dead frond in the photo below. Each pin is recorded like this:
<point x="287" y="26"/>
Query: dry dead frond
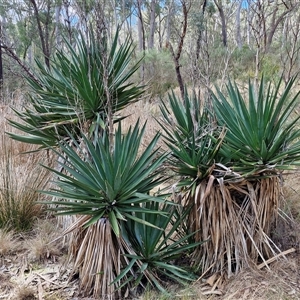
<point x="235" y="218"/>
<point x="98" y="258"/>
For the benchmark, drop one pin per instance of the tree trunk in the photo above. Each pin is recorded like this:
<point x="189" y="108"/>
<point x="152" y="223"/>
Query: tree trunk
<point x="67" y="19"/>
<point x="57" y="26"/>
<point x="1" y="65"/>
<point x="152" y="24"/>
<point x="168" y="22"/>
<point x="238" y="25"/>
<point x="248" y="20"/>
<point x="141" y="29"/>
<point x="176" y="56"/>
<point x="43" y="36"/>
<point x="141" y="35"/>
<point x="200" y="31"/>
<point x="223" y="22"/>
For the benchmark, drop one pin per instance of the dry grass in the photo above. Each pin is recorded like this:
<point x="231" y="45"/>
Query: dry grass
<point x="145" y="112"/>
<point x="279" y="283"/>
<point x="21" y="177"/>
<point x="292" y="195"/>
<point x="8" y="242"/>
<point x="25" y="293"/>
<point x="46" y="242"/>
<point x="20" y="181"/>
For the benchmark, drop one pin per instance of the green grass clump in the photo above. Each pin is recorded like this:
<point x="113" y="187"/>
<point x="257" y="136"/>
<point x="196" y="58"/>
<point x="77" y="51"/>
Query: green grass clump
<point x="20" y="181"/>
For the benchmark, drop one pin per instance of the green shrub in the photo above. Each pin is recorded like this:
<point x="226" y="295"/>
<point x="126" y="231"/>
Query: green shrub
<point x="159" y="71"/>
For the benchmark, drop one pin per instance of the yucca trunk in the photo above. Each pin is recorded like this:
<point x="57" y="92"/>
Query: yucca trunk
<point x="236" y="219"/>
<point x="98" y="256"/>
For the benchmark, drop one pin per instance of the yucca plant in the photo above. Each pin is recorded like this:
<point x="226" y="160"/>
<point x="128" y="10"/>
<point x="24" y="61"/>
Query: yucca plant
<point x="262" y="141"/>
<point x="73" y="95"/>
<point x="194" y="142"/>
<point x="106" y="186"/>
<point x="157" y="253"/>
<point x="236" y="201"/>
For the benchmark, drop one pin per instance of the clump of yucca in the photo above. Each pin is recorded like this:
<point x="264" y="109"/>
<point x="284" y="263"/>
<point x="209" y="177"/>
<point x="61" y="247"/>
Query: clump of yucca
<point x="230" y="161"/>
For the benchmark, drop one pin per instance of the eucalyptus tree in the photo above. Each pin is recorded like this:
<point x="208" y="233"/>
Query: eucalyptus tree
<point x="267" y="17"/>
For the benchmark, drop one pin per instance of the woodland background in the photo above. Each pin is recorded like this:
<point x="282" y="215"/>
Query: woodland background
<point x="194" y="43"/>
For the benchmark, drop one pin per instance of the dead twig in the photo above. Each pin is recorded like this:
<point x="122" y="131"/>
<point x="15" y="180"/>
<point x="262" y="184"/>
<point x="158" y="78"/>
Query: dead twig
<point x="267" y="262"/>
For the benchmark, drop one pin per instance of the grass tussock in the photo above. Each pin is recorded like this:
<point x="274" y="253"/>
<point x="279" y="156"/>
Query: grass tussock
<point x="24" y="293"/>
<point x="8" y="242"/>
<point x="20" y="180"/>
<point x="46" y="242"/>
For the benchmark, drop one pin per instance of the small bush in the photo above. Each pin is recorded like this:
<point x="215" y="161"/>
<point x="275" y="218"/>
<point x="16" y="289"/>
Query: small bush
<point x="159" y="71"/>
<point x="25" y="293"/>
<point x="270" y="67"/>
<point x="46" y="242"/>
<point x="242" y="62"/>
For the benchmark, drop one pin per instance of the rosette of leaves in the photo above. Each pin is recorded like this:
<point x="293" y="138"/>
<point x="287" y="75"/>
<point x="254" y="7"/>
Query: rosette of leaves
<point x="192" y="137"/>
<point x="262" y="134"/>
<point x="106" y="186"/>
<point x="161" y="253"/>
<point x="73" y="95"/>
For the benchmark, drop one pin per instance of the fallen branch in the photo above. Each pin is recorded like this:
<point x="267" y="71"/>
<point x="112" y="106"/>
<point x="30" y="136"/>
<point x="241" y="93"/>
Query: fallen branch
<point x="267" y="262"/>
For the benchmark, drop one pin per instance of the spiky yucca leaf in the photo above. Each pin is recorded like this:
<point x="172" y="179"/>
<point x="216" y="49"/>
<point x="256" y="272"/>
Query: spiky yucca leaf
<point x="193" y="140"/>
<point x="71" y="95"/>
<point x="153" y="252"/>
<point x="102" y="181"/>
<point x="261" y="132"/>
